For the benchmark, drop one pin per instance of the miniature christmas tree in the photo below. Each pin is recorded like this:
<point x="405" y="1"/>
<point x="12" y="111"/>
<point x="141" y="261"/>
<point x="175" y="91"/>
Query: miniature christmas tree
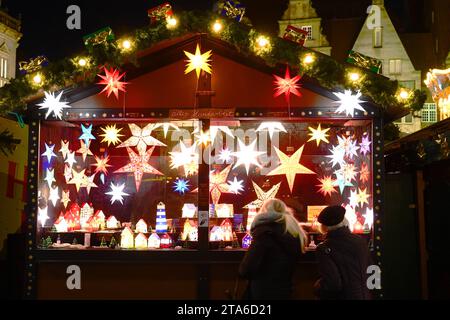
<point x="235" y="243"/>
<point x="74" y="242"/>
<point x="49" y="242"/>
<point x="113" y="243"/>
<point x="43" y="244"/>
<point x="103" y="243"/>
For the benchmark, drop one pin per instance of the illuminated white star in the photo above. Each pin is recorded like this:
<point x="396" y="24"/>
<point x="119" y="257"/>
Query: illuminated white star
<point x="70" y="159"/>
<point x="187" y="158"/>
<point x="337" y="156"/>
<point x="271" y="127"/>
<point x="43" y="216"/>
<point x="368" y="217"/>
<point x="236" y="186"/>
<point x="50" y="177"/>
<point x="117" y="193"/>
<point x="64" y="148"/>
<point x="318" y="134"/>
<point x="225" y="156"/>
<point x="348" y="102"/>
<point x="247" y="155"/>
<point x="54" y="195"/>
<point x="353" y="199"/>
<point x="141" y="138"/>
<point x="67" y="173"/>
<point x="49" y="152"/>
<point x="352" y="149"/>
<point x="53" y="104"/>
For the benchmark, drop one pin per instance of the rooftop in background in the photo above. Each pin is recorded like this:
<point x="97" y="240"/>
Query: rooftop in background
<point x="9" y="21"/>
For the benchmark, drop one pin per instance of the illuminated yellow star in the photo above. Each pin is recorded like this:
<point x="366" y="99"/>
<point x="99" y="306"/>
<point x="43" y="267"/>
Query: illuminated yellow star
<point x="198" y="62"/>
<point x="111" y="135"/>
<point x="290" y="166"/>
<point x="318" y="134"/>
<point x="363" y="197"/>
<point x="78" y="178"/>
<point x="326" y="185"/>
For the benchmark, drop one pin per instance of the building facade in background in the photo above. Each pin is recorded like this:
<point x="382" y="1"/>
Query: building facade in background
<point x="9" y="41"/>
<point x="301" y="14"/>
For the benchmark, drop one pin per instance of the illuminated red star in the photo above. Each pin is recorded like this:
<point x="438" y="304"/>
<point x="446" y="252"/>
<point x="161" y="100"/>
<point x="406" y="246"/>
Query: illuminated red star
<point x="287" y="85"/>
<point x="102" y="164"/>
<point x="112" y="82"/>
<point x="364" y="173"/>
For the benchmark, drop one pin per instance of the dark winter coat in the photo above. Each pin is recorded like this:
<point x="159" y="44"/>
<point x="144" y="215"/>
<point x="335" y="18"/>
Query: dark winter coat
<point x="270" y="261"/>
<point x="342" y="259"/>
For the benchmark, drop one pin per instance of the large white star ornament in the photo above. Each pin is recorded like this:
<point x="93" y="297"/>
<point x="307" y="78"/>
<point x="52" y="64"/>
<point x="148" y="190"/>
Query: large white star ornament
<point x="141" y="138"/>
<point x="53" y="104"/>
<point x="54" y="195"/>
<point x="43" y="216"/>
<point x="348" y="102"/>
<point x="49" y="152"/>
<point x="247" y="155"/>
<point x="236" y="186"/>
<point x="117" y="193"/>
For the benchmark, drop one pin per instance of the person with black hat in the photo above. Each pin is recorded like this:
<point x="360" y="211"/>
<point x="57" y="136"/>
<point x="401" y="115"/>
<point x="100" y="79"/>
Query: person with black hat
<point x="342" y="259"/>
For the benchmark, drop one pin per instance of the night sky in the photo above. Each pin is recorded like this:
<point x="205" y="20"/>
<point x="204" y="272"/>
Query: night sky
<point x="45" y="32"/>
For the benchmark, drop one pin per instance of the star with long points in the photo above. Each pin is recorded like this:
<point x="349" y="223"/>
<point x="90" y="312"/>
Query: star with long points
<point x="247" y="155"/>
<point x="363" y="197"/>
<point x="111" y="134"/>
<point x="337" y="156"/>
<point x="166" y="126"/>
<point x="287" y="85"/>
<point x="49" y="152"/>
<point x="70" y="159"/>
<point x="365" y="145"/>
<point x="218" y="184"/>
<point x="112" y="82"/>
<point x="101" y="164"/>
<point x="139" y="165"/>
<point x="54" y="195"/>
<point x="318" y="134"/>
<point x="88" y="183"/>
<point x="235" y="186"/>
<point x="117" y="193"/>
<point x="53" y="104"/>
<point x="263" y="196"/>
<point x="349" y="102"/>
<point x="198" y="61"/>
<point x="327" y="186"/>
<point x="341" y="182"/>
<point x="141" y="138"/>
<point x="65" y="198"/>
<point x="187" y="157"/>
<point x="290" y="166"/>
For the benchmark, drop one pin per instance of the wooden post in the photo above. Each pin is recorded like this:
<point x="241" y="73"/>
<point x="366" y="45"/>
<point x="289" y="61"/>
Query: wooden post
<point x="423" y="254"/>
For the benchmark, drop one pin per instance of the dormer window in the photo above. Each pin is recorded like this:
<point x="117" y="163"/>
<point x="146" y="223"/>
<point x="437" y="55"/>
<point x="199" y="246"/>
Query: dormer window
<point x="377" y="37"/>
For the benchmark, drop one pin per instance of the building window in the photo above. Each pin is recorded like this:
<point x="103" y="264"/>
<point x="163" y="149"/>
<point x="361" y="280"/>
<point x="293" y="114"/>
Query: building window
<point x="378" y="37"/>
<point x="309" y="30"/>
<point x="395" y="66"/>
<point x="408" y="84"/>
<point x="3" y="71"/>
<point x="429" y="112"/>
<point x="406" y="119"/>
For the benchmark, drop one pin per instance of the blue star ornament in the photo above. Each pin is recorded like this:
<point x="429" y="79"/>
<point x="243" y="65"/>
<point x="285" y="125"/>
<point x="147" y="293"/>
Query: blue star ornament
<point x="181" y="186"/>
<point x="87" y="134"/>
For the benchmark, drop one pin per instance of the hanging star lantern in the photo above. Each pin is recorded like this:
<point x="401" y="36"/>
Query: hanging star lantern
<point x="141" y="138"/>
<point x="363" y="197"/>
<point x="50" y="177"/>
<point x="70" y="159"/>
<point x="365" y="145"/>
<point x="187" y="157"/>
<point x="341" y="182"/>
<point x="64" y="148"/>
<point x="225" y="156"/>
<point x="364" y="173"/>
<point x="198" y="62"/>
<point x="139" y="166"/>
<point x="65" y="198"/>
<point x="86" y="135"/>
<point x="352" y="149"/>
<point x="327" y="186"/>
<point x="166" y="126"/>
<point x="247" y="155"/>
<point x="181" y="186"/>
<point x="43" y="216"/>
<point x="78" y="178"/>
<point x="111" y="134"/>
<point x="353" y="199"/>
<point x="236" y="186"/>
<point x="67" y="173"/>
<point x="348" y="102"/>
<point x="271" y="127"/>
<point x="318" y="134"/>
<point x="337" y="156"/>
<point x="290" y="166"/>
<point x="287" y="85"/>
<point x="49" y="152"/>
<point x="117" y="193"/>
<point x="88" y="183"/>
<point x="53" y="104"/>
<point x="101" y="164"/>
<point x="218" y="184"/>
<point x="112" y="83"/>
<point x="368" y="217"/>
<point x="84" y="150"/>
<point x="348" y="171"/>
<point x="263" y="196"/>
<point x="54" y="195"/>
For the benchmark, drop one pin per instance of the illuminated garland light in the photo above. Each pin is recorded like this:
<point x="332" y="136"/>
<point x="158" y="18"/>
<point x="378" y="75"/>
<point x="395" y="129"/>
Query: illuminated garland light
<point x="171" y="22"/>
<point x="53" y="104"/>
<point x="217" y="26"/>
<point x="308" y="59"/>
<point x="198" y="61"/>
<point x="262" y="45"/>
<point x="112" y="83"/>
<point x="126" y="45"/>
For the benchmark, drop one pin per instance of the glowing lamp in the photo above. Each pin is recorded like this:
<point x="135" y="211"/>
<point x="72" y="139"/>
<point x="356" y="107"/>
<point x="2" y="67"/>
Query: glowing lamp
<point x="154" y="241"/>
<point x="112" y="223"/>
<point x="262" y="41"/>
<point x="354" y="76"/>
<point x="38" y="79"/>
<point x="140" y="242"/>
<point x="172" y="22"/>
<point x="227" y="229"/>
<point x="141" y="226"/>
<point x="82" y="62"/>
<point x="126" y="45"/>
<point x="127" y="239"/>
<point x="308" y="59"/>
<point x="166" y="241"/>
<point x="246" y="241"/>
<point x="217" y="26"/>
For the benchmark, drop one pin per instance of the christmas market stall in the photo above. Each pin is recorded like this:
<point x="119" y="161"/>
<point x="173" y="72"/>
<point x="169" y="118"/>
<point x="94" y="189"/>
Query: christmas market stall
<point x="150" y="155"/>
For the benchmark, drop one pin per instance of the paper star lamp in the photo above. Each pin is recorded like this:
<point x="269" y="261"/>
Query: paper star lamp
<point x="65" y="198"/>
<point x="53" y="104"/>
<point x="117" y="193"/>
<point x="187" y="157"/>
<point x="348" y="102"/>
<point x="86" y="135"/>
<point x="343" y="143"/>
<point x="368" y="218"/>
<point x="337" y="156"/>
<point x="348" y="171"/>
<point x="166" y="126"/>
<point x="67" y="173"/>
<point x="353" y="199"/>
<point x="84" y="150"/>
<point x="198" y="62"/>
<point x="341" y="182"/>
<point x="43" y="216"/>
<point x="287" y="85"/>
<point x="54" y="195"/>
<point x="70" y="159"/>
<point x="218" y="184"/>
<point x="141" y="138"/>
<point x="364" y="173"/>
<point x="64" y="148"/>
<point x="88" y="183"/>
<point x="101" y="164"/>
<point x="50" y="177"/>
<point x="327" y="186"/>
<point x="352" y="149"/>
<point x="139" y="166"/>
<point x="225" y="155"/>
<point x="365" y="145"/>
<point x="49" y="152"/>
<point x="112" y="83"/>
<point x="236" y="186"/>
<point x="263" y="196"/>
<point x="290" y="166"/>
<point x="363" y="197"/>
<point x="247" y="155"/>
<point x="181" y="186"/>
<point x="111" y="134"/>
<point x="318" y="134"/>
<point x="78" y="178"/>
<point x="271" y="127"/>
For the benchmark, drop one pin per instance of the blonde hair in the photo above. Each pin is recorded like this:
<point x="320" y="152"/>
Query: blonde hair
<point x="325" y="229"/>
<point x="287" y="218"/>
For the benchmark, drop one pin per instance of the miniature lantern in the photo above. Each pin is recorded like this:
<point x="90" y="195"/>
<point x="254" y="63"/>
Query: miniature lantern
<point x="189" y="210"/>
<point x="358" y="227"/>
<point x="61" y="224"/>
<point x="224" y="210"/>
<point x="112" y="223"/>
<point x="190" y="229"/>
<point x="161" y="221"/>
<point x="99" y="218"/>
<point x="246" y="241"/>
<point x="154" y="241"/>
<point x="227" y="229"/>
<point x="251" y="216"/>
<point x="140" y="242"/>
<point x="166" y="241"/>
<point x="127" y="239"/>
<point x="141" y="227"/>
<point x="216" y="234"/>
<point x="86" y="213"/>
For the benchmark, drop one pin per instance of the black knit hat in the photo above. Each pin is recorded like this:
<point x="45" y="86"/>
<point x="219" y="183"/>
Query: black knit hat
<point x="331" y="215"/>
